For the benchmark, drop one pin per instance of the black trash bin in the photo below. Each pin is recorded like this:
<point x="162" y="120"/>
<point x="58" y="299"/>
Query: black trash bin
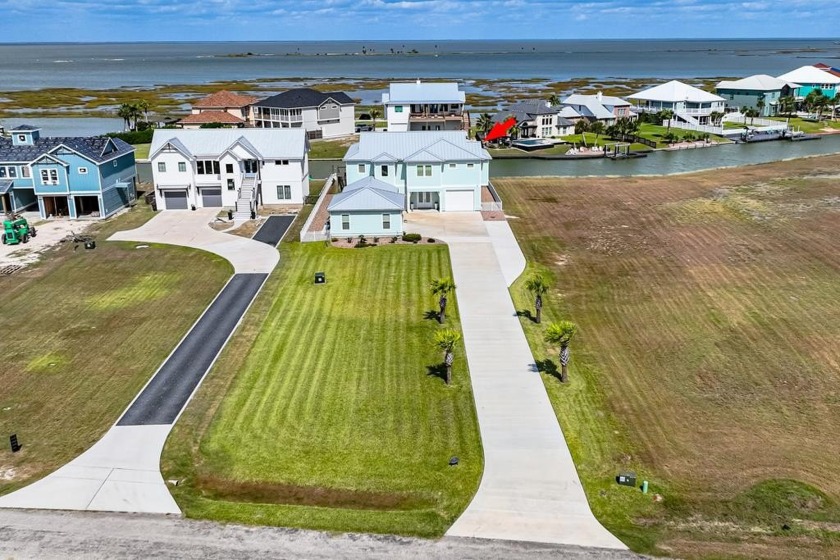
<point x="230" y="215"/>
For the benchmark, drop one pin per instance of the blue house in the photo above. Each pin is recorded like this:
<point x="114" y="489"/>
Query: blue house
<point x="810" y="78"/>
<point x="367" y="207"/>
<point x="73" y="177"/>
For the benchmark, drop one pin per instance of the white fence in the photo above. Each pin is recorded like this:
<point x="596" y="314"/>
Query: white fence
<point x="676" y="123"/>
<point x="307" y="236"/>
<point x="496" y="205"/>
<point x="738" y="118"/>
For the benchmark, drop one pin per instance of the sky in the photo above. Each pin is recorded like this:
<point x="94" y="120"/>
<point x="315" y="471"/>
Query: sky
<point x="285" y="20"/>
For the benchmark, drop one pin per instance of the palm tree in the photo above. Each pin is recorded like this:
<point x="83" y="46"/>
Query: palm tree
<point x="446" y="339"/>
<point x="538" y="287"/>
<point x="513" y="132"/>
<point x="484" y="122"/>
<point x="143" y="105"/>
<point x="442" y="287"/>
<point x="787" y="104"/>
<point x="374" y="115"/>
<point x="715" y="117"/>
<point x="759" y="105"/>
<point x="554" y="99"/>
<point x="744" y="111"/>
<point x="597" y="128"/>
<point x="666" y="115"/>
<point x="560" y="334"/>
<point x="835" y="101"/>
<point x="125" y="112"/>
<point x="581" y="127"/>
<point x="751" y="113"/>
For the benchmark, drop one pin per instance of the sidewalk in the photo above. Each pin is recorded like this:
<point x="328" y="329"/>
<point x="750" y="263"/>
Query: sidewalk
<point x="530" y="490"/>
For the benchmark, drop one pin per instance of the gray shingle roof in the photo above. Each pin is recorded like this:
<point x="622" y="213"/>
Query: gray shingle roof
<point x="92" y="148"/>
<point x="303" y="97"/>
<point x="5" y="186"/>
<point x="24" y="128"/>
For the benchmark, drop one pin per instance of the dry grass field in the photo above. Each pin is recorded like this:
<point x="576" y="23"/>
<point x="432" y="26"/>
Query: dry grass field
<point x="708" y="355"/>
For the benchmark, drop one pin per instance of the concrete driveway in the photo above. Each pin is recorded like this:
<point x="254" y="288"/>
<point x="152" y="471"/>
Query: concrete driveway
<point x="530" y="490"/>
<point x="191" y="229"/>
<point x="121" y="472"/>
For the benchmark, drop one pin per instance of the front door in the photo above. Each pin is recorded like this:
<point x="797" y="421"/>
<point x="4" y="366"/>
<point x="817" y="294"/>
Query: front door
<point x="251" y="166"/>
<point x="425" y="200"/>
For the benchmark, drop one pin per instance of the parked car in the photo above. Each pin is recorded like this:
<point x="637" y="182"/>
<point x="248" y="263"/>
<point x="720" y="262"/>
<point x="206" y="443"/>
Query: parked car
<point x="364" y="128"/>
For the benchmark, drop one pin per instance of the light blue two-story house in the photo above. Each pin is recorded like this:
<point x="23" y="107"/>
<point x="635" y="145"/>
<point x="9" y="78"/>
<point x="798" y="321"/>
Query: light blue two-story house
<point x="73" y="177"/>
<point x="428" y="170"/>
<point x="759" y="91"/>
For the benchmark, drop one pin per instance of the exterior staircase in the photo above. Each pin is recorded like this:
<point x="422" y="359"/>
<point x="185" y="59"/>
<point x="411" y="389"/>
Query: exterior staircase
<point x="688" y="118"/>
<point x="247" y="199"/>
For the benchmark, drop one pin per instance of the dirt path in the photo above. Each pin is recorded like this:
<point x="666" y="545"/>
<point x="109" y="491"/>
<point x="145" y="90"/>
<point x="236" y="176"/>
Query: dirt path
<point x="47" y="535"/>
<point x="49" y="234"/>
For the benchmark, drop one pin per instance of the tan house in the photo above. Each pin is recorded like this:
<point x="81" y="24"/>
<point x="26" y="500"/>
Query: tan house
<point x="223" y="107"/>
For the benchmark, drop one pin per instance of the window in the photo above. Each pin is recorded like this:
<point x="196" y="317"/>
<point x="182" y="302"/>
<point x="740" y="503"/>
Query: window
<point x="207" y="167"/>
<point x="162" y="166"/>
<point x="470" y="165"/>
<point x="398" y="109"/>
<point x="281" y="162"/>
<point x="384" y="170"/>
<point x="231" y="184"/>
<point x="345" y="222"/>
<point x="24" y="171"/>
<point x="115" y="163"/>
<point x="82" y="171"/>
<point x="49" y="176"/>
<point x="229" y="168"/>
<point x="424" y="170"/>
<point x="2" y="172"/>
<point x="182" y="167"/>
<point x="361" y="168"/>
<point x="386" y="221"/>
<point x="452" y="166"/>
<point x="284" y="192"/>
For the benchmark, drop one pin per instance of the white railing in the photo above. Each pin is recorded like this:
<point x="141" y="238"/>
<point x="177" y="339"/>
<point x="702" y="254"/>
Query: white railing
<point x="738" y="118"/>
<point x="695" y="127"/>
<point x="496" y="205"/>
<point x="307" y="236"/>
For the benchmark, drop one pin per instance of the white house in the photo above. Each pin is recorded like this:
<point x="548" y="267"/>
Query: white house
<point x="537" y="119"/>
<point x="321" y="114"/>
<point x="599" y="107"/>
<point x="431" y="170"/>
<point x="239" y="169"/>
<point x="425" y="106"/>
<point x="689" y="104"/>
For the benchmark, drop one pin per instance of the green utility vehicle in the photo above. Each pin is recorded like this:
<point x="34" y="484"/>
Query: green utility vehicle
<point x="17" y="230"/>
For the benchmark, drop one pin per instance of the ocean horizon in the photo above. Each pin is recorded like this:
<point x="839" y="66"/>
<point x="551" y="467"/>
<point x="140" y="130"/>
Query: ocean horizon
<point x="109" y="65"/>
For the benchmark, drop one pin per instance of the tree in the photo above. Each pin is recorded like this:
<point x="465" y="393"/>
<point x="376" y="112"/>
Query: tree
<point x="374" y="115"/>
<point x="126" y="112"/>
<point x="759" y="106"/>
<point x="787" y="104"/>
<point x="581" y="127"/>
<point x="446" y="339"/>
<point x="666" y="115"/>
<point x="715" y="117"/>
<point x="513" y="132"/>
<point x="751" y="113"/>
<point x="143" y="105"/>
<point x="744" y="111"/>
<point x="484" y="122"/>
<point x="835" y="101"/>
<point x="538" y="287"/>
<point x="554" y="99"/>
<point x="442" y="287"/>
<point x="561" y="334"/>
<point x="597" y="128"/>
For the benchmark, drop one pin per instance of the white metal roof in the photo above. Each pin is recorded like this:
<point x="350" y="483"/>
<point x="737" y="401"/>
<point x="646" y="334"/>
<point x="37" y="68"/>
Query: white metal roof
<point x="419" y="92"/>
<point x="675" y="91"/>
<point x="810" y="75"/>
<point x="270" y="143"/>
<point x="591" y="106"/>
<point x="759" y="82"/>
<point x="420" y="146"/>
<point x="367" y="194"/>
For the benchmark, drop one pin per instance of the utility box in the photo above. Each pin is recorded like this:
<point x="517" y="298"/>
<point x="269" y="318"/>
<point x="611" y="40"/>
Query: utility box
<point x="90" y="244"/>
<point x="320" y="278"/>
<point x="627" y="478"/>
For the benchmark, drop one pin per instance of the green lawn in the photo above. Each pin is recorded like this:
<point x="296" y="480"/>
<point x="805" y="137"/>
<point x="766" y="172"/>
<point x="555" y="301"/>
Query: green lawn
<point x="654" y="133"/>
<point x="809" y="127"/>
<point x="84" y="331"/>
<point x="329" y="149"/>
<point x="324" y="413"/>
<point x="141" y="151"/>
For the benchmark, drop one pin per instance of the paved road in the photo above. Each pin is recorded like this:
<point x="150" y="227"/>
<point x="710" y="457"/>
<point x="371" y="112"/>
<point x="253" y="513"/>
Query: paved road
<point x="530" y="490"/>
<point x="61" y="535"/>
<point x="273" y="230"/>
<point x="163" y="398"/>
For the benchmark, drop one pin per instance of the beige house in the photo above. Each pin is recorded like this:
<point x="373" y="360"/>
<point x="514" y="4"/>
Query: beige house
<point x="223" y="107"/>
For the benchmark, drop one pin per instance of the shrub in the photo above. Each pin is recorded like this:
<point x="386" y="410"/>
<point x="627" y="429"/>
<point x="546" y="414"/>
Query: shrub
<point x="376" y="240"/>
<point x="394" y="239"/>
<point x="412" y="237"/>
<point x="431" y="240"/>
<point x="334" y="239"/>
<point x="134" y="136"/>
<point x="349" y="240"/>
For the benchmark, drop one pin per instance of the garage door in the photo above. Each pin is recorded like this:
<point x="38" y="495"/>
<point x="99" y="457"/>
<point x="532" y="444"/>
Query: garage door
<point x="175" y="200"/>
<point x="460" y="201"/>
<point x="211" y="198"/>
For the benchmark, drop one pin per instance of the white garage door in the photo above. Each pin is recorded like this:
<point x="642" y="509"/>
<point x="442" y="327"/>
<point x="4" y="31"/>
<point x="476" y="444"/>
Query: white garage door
<point x="460" y="201"/>
<point x="175" y="200"/>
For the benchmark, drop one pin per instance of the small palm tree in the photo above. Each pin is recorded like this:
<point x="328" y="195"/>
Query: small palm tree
<point x="554" y="99"/>
<point x="666" y="115"/>
<point x="538" y="287"/>
<point x="446" y="339"/>
<point x="787" y="105"/>
<point x="484" y="122"/>
<point x="715" y="117"/>
<point x="759" y="105"/>
<point x="597" y="128"/>
<point x="560" y="334"/>
<point x="374" y="116"/>
<point x="125" y="112"/>
<point x="442" y="287"/>
<point x="143" y="105"/>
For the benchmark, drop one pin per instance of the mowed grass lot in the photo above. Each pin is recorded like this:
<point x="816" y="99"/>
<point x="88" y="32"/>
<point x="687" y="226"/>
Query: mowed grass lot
<point x="708" y="353"/>
<point x="83" y="332"/>
<point x="326" y="410"/>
